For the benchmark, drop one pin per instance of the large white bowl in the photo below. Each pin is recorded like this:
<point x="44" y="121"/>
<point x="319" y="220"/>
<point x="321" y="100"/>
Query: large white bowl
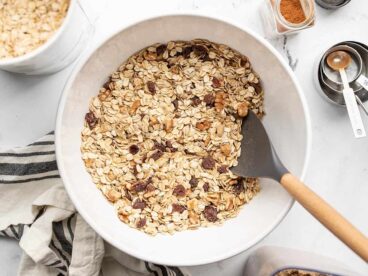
<point x="287" y="122"/>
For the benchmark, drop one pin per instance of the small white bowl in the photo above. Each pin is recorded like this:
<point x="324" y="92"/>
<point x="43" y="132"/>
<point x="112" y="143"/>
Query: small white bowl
<point x="287" y="122"/>
<point x="61" y="49"/>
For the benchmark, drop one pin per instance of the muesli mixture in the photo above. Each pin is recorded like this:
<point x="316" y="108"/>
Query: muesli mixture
<point x="160" y="137"/>
<point x="25" y="25"/>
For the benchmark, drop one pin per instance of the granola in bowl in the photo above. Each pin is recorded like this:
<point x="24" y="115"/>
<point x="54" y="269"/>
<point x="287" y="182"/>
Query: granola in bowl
<point x="164" y="130"/>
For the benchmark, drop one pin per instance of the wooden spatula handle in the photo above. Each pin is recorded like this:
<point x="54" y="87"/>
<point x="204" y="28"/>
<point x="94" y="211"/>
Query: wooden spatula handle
<point x="327" y="215"/>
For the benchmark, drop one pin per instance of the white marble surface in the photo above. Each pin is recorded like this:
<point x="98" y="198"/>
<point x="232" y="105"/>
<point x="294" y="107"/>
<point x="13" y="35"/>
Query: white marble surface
<point x="338" y="168"/>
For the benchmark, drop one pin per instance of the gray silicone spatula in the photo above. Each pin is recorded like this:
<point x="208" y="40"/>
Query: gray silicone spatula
<point x="259" y="159"/>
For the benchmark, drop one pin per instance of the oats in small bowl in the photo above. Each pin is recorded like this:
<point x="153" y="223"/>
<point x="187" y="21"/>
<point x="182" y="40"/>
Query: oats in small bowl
<point x="164" y="130"/>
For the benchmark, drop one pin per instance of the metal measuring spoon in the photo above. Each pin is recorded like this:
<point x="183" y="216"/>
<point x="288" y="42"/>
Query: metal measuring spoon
<point x="259" y="159"/>
<point x="338" y="61"/>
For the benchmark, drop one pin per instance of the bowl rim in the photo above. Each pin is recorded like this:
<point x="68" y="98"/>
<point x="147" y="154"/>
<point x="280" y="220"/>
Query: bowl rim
<point x="40" y="49"/>
<point x="84" y="213"/>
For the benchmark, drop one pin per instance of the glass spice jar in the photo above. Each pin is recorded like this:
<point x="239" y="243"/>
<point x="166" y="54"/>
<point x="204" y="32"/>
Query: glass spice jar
<point x="281" y="17"/>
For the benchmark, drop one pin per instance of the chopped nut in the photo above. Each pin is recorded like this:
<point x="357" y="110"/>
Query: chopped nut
<point x="113" y="195"/>
<point x="153" y="120"/>
<point x="204" y="125"/>
<point x="243" y="109"/>
<point x="134" y="107"/>
<point x="225" y="149"/>
<point x="169" y="124"/>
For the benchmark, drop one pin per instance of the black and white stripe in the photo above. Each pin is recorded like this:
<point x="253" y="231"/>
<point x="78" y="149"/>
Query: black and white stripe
<point x="34" y="163"/>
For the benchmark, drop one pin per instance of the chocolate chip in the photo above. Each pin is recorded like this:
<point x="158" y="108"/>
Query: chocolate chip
<point x="222" y="169"/>
<point x="193" y="182"/>
<point x="175" y="104"/>
<point x="209" y="99"/>
<point x="239" y="187"/>
<point x="161" y="49"/>
<point x="179" y="190"/>
<point x="139" y="187"/>
<point x="151" y="87"/>
<point x="133" y="149"/>
<point x="216" y="82"/>
<point x="139" y="204"/>
<point x="141" y="222"/>
<point x="196" y="101"/>
<point x="206" y="187"/>
<point x="186" y="51"/>
<point x="157" y="154"/>
<point x="178" y="208"/>
<point x="208" y="163"/>
<point x="91" y="119"/>
<point x="210" y="213"/>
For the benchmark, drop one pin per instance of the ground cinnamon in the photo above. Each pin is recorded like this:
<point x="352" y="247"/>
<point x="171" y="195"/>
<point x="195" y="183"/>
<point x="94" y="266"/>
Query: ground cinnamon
<point x="292" y="11"/>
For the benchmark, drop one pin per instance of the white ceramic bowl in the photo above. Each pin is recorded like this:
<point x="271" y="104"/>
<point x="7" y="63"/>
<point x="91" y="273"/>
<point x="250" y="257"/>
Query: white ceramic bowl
<point x="63" y="47"/>
<point x="287" y="122"/>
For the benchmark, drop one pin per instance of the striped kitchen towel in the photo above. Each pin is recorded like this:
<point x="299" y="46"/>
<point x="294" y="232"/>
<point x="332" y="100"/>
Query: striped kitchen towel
<point x="36" y="210"/>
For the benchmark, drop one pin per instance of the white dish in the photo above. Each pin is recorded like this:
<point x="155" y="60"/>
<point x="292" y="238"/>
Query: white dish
<point x="63" y="47"/>
<point x="287" y="122"/>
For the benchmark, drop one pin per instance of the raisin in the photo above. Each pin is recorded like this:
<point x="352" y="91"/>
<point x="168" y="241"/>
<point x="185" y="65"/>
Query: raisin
<point x="243" y="62"/>
<point x="210" y="213"/>
<point x="157" y="154"/>
<point x="168" y="144"/>
<point x="239" y="187"/>
<point x="216" y="82"/>
<point x="175" y="104"/>
<point x="208" y="163"/>
<point x="161" y="49"/>
<point x="139" y="204"/>
<point x="150" y="188"/>
<point x="209" y="99"/>
<point x="159" y="146"/>
<point x="141" y="223"/>
<point x="151" y="87"/>
<point x="186" y="51"/>
<point x="222" y="169"/>
<point x="139" y="187"/>
<point x="133" y="149"/>
<point x="179" y="190"/>
<point x="206" y="187"/>
<point x="106" y="85"/>
<point x="178" y="208"/>
<point x="196" y="101"/>
<point x="193" y="182"/>
<point x="91" y="119"/>
<point x="257" y="87"/>
<point x="200" y="50"/>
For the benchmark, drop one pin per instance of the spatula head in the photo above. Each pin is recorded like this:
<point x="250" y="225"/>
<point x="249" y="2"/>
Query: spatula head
<point x="258" y="157"/>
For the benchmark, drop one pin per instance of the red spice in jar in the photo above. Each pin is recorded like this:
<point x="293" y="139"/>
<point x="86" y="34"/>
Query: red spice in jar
<point x="292" y="11"/>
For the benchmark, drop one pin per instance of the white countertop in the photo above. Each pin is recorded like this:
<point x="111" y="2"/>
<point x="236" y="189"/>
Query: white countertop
<point x="338" y="168"/>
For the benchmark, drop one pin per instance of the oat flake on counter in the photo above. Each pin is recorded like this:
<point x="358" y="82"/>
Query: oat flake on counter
<point x="163" y="131"/>
<point x="25" y="25"/>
